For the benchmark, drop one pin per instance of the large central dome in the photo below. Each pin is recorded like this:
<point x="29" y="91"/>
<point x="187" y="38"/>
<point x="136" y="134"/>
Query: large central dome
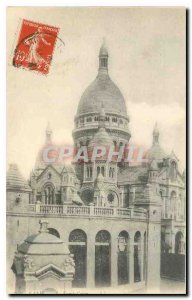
<point x="102" y="92"/>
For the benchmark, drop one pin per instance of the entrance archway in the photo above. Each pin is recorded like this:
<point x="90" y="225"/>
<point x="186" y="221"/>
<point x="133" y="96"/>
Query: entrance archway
<point x="145" y="256"/>
<point x="179" y="243"/>
<point x="78" y="247"/>
<point x="123" y="258"/>
<point x="53" y="231"/>
<point x="103" y="259"/>
<point x="137" y="257"/>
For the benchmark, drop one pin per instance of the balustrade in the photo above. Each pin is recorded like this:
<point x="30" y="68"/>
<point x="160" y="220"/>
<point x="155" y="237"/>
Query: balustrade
<point x="95" y="211"/>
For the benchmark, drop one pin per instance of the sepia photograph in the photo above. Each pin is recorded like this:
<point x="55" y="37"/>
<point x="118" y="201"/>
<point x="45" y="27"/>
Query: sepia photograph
<point x="96" y="150"/>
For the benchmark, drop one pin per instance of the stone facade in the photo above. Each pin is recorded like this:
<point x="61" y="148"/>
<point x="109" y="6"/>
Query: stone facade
<point x="115" y="218"/>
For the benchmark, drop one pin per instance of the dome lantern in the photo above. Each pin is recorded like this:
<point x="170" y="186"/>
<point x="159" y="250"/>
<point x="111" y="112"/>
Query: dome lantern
<point x="155" y="135"/>
<point x="103" y="58"/>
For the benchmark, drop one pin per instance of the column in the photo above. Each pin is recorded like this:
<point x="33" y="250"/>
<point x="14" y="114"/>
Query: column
<point x="142" y="256"/>
<point x="114" y="261"/>
<point x="172" y="241"/>
<point x="43" y="198"/>
<point x="131" y="260"/>
<point x="91" y="261"/>
<point x="62" y="195"/>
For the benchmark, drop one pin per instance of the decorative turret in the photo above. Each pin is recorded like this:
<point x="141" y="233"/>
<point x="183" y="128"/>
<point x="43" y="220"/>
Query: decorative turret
<point x="40" y="163"/>
<point x="156" y="152"/>
<point x="18" y="190"/>
<point x="155" y="135"/>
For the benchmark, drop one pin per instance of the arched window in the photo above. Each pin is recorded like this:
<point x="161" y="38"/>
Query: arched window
<point x="137" y="257"/>
<point x="173" y="204"/>
<point x="82" y="120"/>
<point x="103" y="259"/>
<point x="115" y="143"/>
<point x="120" y="144"/>
<point x="78" y="247"/>
<point x="49" y="175"/>
<point x="145" y="256"/>
<point x="110" y="171"/>
<point x="120" y="121"/>
<point x="123" y="258"/>
<point x="89" y="172"/>
<point x="54" y="232"/>
<point x="49" y="194"/>
<point x="173" y="170"/>
<point x="103" y="171"/>
<point x="179" y="243"/>
<point x="104" y="62"/>
<point x="89" y="119"/>
<point x="98" y="171"/>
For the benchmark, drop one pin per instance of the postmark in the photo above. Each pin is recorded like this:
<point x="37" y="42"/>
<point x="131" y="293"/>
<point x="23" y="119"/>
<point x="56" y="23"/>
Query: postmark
<point x="35" y="46"/>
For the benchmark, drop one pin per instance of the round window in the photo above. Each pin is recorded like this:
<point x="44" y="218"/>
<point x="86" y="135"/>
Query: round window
<point x="111" y="197"/>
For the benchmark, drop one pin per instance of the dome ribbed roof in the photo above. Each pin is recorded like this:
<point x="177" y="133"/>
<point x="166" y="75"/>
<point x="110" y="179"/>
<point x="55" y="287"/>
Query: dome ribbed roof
<point x="15" y="179"/>
<point x="156" y="152"/>
<point x="43" y="243"/>
<point x="102" y="91"/>
<point x="101" y="138"/>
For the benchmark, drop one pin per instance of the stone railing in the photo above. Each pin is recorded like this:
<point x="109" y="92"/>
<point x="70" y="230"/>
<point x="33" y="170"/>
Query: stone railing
<point x="89" y="211"/>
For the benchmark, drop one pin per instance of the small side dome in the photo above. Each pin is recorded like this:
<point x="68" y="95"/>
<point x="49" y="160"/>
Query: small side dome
<point x="153" y="166"/>
<point x="101" y="138"/>
<point x="43" y="243"/>
<point x="156" y="152"/>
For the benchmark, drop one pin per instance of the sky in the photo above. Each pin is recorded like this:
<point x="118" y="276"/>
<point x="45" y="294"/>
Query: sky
<point x="146" y="60"/>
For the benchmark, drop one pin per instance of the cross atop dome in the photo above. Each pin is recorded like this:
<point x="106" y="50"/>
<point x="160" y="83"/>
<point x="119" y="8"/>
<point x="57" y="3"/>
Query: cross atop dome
<point x="48" y="134"/>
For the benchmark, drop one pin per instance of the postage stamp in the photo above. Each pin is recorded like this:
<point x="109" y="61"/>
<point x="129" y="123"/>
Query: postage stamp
<point x="35" y="46"/>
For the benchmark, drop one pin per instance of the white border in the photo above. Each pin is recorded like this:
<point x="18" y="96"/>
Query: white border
<point x="3" y="5"/>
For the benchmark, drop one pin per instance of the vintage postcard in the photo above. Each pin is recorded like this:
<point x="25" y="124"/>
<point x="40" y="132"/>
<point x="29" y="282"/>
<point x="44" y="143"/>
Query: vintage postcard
<point x="96" y="127"/>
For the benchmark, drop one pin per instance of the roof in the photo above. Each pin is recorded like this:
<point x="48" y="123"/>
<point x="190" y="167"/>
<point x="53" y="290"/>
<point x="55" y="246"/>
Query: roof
<point x="43" y="243"/>
<point x="103" y="50"/>
<point x="138" y="174"/>
<point x="15" y="179"/>
<point x="156" y="152"/>
<point x="101" y="138"/>
<point x="102" y="91"/>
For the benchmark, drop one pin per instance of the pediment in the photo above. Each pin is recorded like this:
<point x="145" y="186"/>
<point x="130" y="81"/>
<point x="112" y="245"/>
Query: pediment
<point x="50" y="270"/>
<point x="48" y="169"/>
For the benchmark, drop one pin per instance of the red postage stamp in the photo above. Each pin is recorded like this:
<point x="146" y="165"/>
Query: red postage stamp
<point x="35" y="46"/>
